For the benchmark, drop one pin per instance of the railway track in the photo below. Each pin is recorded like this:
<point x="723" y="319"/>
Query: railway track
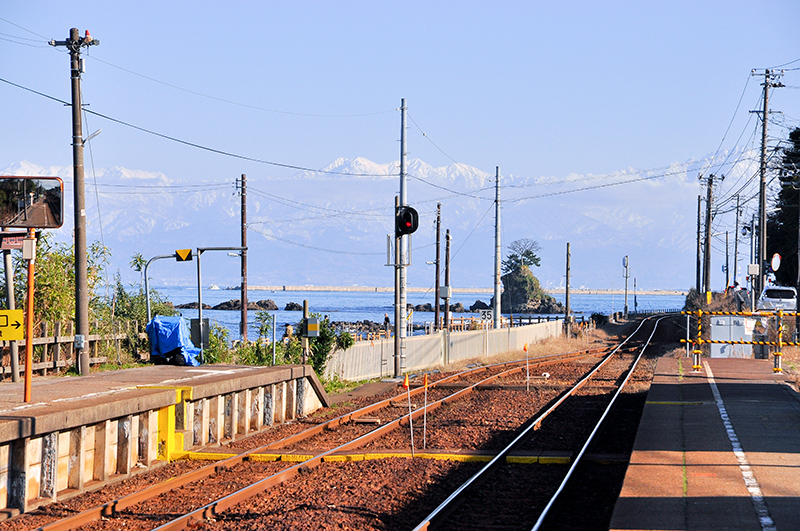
<point x="498" y="496"/>
<point x="347" y="443"/>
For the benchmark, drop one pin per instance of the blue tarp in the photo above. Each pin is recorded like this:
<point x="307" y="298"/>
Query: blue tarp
<point x="169" y="339"/>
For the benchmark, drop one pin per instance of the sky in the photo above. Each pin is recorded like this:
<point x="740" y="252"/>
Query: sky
<point x="539" y="89"/>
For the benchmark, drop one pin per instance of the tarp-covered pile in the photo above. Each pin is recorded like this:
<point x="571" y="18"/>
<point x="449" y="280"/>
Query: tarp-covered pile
<point x="170" y="343"/>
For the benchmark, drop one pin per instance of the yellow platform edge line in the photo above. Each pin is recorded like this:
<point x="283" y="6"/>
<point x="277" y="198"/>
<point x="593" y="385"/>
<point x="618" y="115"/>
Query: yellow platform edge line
<point x="298" y="458"/>
<point x="207" y="456"/>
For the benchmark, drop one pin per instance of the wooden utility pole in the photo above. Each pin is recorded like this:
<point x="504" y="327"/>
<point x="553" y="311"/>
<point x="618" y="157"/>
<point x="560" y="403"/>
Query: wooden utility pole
<point x="74" y="44"/>
<point x="243" y="255"/>
<point x="707" y="255"/>
<point x="770" y="80"/>
<point x="567" y="319"/>
<point x="11" y="305"/>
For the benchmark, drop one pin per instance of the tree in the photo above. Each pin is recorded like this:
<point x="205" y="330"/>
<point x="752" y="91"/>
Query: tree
<point x="137" y="264"/>
<point x="523" y="253"/>
<point x="54" y="284"/>
<point x="521" y="289"/>
<point x="782" y="229"/>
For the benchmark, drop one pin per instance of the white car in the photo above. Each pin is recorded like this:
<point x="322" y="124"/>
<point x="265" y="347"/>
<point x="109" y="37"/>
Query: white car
<point x="778" y="298"/>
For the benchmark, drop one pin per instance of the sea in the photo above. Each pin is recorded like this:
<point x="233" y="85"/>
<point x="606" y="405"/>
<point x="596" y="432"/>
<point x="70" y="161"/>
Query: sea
<point x="352" y="306"/>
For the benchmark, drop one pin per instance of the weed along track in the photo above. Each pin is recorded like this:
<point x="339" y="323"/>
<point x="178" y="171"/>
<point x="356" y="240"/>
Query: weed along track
<point x="367" y="468"/>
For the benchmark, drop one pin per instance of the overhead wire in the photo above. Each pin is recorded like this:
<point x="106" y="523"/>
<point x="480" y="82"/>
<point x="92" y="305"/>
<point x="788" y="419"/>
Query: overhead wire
<point x="97" y="199"/>
<point x="730" y="123"/>
<point x="237" y="103"/>
<point x="194" y="144"/>
<point x="23" y="28"/>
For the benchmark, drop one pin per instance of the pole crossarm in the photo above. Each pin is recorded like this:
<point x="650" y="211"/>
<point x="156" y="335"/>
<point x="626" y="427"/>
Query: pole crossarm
<point x="204" y="249"/>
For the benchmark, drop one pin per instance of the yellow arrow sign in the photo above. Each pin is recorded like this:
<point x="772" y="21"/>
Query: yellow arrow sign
<point x="183" y="255"/>
<point x="11" y="328"/>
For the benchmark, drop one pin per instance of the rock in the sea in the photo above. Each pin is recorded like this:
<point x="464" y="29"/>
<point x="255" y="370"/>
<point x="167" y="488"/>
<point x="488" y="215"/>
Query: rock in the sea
<point x="479" y="305"/>
<point x="457" y="308"/>
<point x="234" y="304"/>
<point x="192" y="306"/>
<point x="268" y="304"/>
<point x="293" y="307"/>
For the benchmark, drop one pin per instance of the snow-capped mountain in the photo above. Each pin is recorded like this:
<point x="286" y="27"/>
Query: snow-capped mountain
<point x="329" y="227"/>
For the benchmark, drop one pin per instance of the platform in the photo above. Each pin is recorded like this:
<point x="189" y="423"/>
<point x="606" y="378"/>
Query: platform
<point x="715" y="449"/>
<point x="79" y="432"/>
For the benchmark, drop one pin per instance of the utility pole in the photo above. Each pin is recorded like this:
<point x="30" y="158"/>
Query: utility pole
<point x="796" y="188"/>
<point x="567" y="318"/>
<point x="436" y="323"/>
<point x="396" y="371"/>
<point x="727" y="263"/>
<point x="736" y="243"/>
<point x="304" y="335"/>
<point x="699" y="287"/>
<point x="447" y="281"/>
<point x="707" y="255"/>
<point x="496" y="310"/>
<point x="11" y="305"/>
<point x="401" y="253"/>
<point x="627" y="276"/>
<point x="770" y="80"/>
<point x="74" y="44"/>
<point x="243" y="256"/>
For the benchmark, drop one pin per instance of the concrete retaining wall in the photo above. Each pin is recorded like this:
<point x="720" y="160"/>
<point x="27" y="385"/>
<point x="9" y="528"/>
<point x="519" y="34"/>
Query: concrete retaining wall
<point x="375" y="359"/>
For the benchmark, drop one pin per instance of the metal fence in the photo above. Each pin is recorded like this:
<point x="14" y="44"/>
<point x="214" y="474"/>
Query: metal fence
<point x="54" y="346"/>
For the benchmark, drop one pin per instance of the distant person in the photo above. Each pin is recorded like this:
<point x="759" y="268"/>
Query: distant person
<point x="386" y="323"/>
<point x="287" y="335"/>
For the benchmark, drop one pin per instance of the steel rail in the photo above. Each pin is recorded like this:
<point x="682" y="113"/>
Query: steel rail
<point x="113" y="507"/>
<point x="217" y="507"/>
<point x="577" y="460"/>
<point x="443" y="510"/>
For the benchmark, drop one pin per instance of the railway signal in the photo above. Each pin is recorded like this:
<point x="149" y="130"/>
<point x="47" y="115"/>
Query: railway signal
<point x="406" y="220"/>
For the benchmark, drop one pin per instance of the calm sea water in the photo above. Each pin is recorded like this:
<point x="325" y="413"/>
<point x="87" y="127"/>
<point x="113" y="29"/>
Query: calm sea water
<point x="359" y="306"/>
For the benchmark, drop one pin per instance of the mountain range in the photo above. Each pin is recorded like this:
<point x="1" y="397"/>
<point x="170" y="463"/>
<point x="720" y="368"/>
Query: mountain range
<point x="330" y="227"/>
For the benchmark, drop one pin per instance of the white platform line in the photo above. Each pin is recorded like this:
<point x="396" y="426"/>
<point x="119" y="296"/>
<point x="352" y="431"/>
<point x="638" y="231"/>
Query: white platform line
<point x="756" y="496"/>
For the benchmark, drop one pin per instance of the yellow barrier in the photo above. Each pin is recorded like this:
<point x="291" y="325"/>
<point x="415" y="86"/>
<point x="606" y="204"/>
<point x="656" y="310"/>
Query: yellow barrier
<point x="778" y="314"/>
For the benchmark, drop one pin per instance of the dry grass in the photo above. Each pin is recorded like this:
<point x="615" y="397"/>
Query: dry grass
<point x="554" y="345"/>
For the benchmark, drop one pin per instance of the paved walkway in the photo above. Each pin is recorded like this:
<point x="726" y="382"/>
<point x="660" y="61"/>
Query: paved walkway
<point x="61" y="402"/>
<point x="716" y="449"/>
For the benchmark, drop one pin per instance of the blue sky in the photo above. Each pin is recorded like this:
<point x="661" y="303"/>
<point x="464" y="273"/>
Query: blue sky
<point x="547" y="89"/>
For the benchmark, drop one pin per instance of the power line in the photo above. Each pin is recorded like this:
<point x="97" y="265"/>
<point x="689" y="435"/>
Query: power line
<point x="24" y="28"/>
<point x="297" y="204"/>
<point x="240" y="104"/>
<point x="195" y="145"/>
<point x="606" y="185"/>
<point x="725" y="135"/>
